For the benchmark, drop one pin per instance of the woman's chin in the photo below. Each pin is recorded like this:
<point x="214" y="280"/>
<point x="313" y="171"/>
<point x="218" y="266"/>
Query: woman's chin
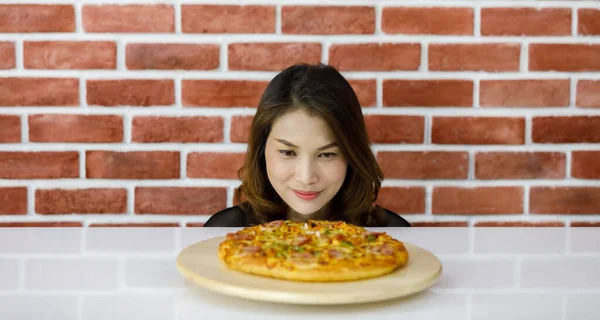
<point x="305" y="211"/>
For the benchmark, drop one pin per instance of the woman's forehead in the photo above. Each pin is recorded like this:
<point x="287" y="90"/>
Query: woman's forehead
<point x="299" y="127"/>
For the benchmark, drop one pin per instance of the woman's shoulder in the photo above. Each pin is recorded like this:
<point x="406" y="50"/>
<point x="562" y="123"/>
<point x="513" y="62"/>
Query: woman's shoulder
<point x="229" y="217"/>
<point x="393" y="219"/>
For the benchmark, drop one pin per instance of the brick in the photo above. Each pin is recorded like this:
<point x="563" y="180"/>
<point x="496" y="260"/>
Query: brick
<point x="588" y="94"/>
<point x="10" y="129"/>
<point x="240" y="128"/>
<point x="491" y="57"/>
<point x="39" y="165"/>
<point x="75" y="128"/>
<point x="329" y="20"/>
<point x="39" y="92"/>
<point x="195" y="224"/>
<point x="585" y="164"/>
<point x="438" y="21"/>
<point x="135" y="225"/>
<point x="526" y="21"/>
<point x="588" y="22"/>
<point x="222" y="93"/>
<point x="524" y="93"/>
<point x="132" y="165"/>
<point x="564" y="57"/>
<point x="37" y="18"/>
<point x="375" y="56"/>
<point x="451" y="224"/>
<point x="227" y="19"/>
<point x="395" y="129"/>
<point x="177" y="129"/>
<point x="131" y="92"/>
<point x="478" y="130"/>
<point x="7" y="55"/>
<point x="402" y="200"/>
<point x="70" y="54"/>
<point x="366" y="91"/>
<point x="564" y="200"/>
<point x="584" y="224"/>
<point x="271" y="56"/>
<point x="32" y="224"/>
<point x="14" y="201"/>
<point x="83" y="201"/>
<point x="520" y="165"/>
<point x="242" y="196"/>
<point x="520" y="224"/>
<point x="424" y="165"/>
<point x="180" y="201"/>
<point x="215" y="165"/>
<point x="427" y="93"/>
<point x="158" y="18"/>
<point x="477" y="201"/>
<point x="172" y="56"/>
<point x="570" y="129"/>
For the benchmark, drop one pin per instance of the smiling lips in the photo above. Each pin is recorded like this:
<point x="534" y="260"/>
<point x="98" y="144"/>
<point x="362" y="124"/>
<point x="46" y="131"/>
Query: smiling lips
<point x="304" y="195"/>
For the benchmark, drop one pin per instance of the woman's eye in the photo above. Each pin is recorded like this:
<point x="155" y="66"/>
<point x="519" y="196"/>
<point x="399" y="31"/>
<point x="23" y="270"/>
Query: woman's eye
<point x="287" y="153"/>
<point x="328" y="155"/>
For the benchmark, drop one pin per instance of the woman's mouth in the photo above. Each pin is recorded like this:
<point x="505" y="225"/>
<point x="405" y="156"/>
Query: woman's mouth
<point x="306" y="195"/>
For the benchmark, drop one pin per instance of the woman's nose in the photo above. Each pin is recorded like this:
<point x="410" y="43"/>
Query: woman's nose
<point x="306" y="172"/>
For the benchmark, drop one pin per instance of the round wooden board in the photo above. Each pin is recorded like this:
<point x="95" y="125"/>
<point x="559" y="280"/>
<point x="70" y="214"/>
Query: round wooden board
<point x="200" y="264"/>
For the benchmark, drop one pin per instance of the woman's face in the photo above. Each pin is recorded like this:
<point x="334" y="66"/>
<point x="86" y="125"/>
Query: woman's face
<point x="304" y="164"/>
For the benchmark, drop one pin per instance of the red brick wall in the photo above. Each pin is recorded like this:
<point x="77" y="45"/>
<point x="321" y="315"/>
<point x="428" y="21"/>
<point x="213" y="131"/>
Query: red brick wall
<point x="480" y="113"/>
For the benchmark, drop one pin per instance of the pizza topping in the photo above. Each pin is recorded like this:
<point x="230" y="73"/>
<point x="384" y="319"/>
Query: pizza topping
<point x="251" y="249"/>
<point x="243" y="236"/>
<point x="384" y="249"/>
<point x="240" y="236"/>
<point x="302" y="255"/>
<point x="300" y="240"/>
<point x="346" y="243"/>
<point x="275" y="224"/>
<point x="339" y="237"/>
<point x="282" y="254"/>
<point x="387" y="250"/>
<point x="334" y="253"/>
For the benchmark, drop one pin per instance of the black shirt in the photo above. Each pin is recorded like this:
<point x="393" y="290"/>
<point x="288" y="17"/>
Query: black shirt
<point x="235" y="217"/>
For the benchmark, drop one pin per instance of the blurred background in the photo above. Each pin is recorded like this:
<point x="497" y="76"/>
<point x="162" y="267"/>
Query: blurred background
<point x="126" y="113"/>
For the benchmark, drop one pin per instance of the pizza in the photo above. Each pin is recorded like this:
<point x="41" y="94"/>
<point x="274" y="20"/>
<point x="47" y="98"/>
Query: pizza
<point x="313" y="251"/>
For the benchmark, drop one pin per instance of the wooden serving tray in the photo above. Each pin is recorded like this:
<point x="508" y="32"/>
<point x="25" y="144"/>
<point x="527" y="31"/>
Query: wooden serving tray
<point x="200" y="264"/>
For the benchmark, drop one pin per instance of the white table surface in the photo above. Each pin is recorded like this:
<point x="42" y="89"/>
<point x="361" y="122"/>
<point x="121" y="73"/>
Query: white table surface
<point x="130" y="273"/>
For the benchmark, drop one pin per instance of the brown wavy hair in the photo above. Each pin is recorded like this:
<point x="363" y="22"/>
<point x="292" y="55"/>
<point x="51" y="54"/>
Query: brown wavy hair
<point x="321" y="91"/>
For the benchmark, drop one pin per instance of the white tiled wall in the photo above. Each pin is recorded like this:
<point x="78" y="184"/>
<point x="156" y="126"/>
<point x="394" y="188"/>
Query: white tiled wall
<point x="130" y="273"/>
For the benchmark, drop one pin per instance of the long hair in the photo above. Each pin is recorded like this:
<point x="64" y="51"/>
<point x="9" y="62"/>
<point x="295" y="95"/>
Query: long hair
<point x="321" y="91"/>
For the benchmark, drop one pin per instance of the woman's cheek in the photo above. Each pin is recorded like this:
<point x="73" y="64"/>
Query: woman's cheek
<point x="336" y="169"/>
<point x="282" y="168"/>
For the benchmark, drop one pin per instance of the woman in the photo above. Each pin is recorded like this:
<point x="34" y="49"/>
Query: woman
<point x="308" y="156"/>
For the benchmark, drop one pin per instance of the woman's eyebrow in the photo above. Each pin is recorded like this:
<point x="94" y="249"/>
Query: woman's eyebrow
<point x="289" y="144"/>
<point x="331" y="145"/>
